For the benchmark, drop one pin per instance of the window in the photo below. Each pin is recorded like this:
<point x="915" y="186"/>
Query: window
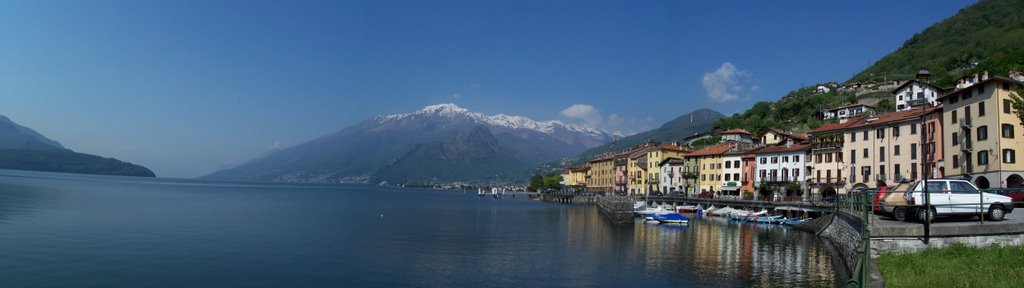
<point x="853" y="160"/>
<point x="982" y="133"/>
<point x="839" y="156"/>
<point x="956" y="161"/>
<point x="953" y="99"/>
<point x="1007" y="106"/>
<point x="796" y="174"/>
<point x="736" y="176"/>
<point x="853" y="137"/>
<point x="1009" y="156"/>
<point x="955" y="139"/>
<point x="981" y="89"/>
<point x="764" y="160"/>
<point x="866" y="170"/>
<point x="896" y="150"/>
<point x="865" y="135"/>
<point x="881" y="172"/>
<point x="719" y="165"/>
<point x="728" y="164"/>
<point x="896" y="172"/>
<point x="896" y="131"/>
<point x="785" y="159"/>
<point x="881" y="154"/>
<point x="763" y="173"/>
<point x="828" y="158"/>
<point x="983" y="157"/>
<point x="913" y="172"/>
<point x="1007" y="130"/>
<point x="736" y="163"/>
<point x="865" y="153"/>
<point x="913" y="129"/>
<point x="953" y="115"/>
<point x="828" y="175"/>
<point x="775" y="159"/>
<point x="819" y="176"/>
<point x="913" y="151"/>
<point x="981" y="109"/>
<point x="796" y="158"/>
<point x="727" y="177"/>
<point x="880" y="133"/>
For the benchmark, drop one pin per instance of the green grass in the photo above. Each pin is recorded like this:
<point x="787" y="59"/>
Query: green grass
<point x="955" y="266"/>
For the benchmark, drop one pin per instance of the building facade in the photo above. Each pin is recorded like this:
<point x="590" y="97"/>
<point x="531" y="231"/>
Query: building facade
<point x="983" y="134"/>
<point x="778" y="166"/>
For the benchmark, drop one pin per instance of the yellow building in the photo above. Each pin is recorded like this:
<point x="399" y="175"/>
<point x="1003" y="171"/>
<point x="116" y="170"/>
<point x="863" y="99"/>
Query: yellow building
<point x="709" y="161"/>
<point x="575" y="176"/>
<point x="600" y="176"/>
<point x="643" y="171"/>
<point x="982" y="134"/>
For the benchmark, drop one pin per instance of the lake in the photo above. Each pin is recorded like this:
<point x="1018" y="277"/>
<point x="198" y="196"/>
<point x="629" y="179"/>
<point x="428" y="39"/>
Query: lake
<point x="64" y="230"/>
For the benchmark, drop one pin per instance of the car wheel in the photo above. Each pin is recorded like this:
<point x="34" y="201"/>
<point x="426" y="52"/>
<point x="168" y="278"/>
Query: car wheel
<point x="921" y="215"/>
<point x="996" y="213"/>
<point x="900" y="213"/>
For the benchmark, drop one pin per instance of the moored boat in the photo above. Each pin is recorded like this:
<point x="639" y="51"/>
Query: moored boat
<point x="674" y="218"/>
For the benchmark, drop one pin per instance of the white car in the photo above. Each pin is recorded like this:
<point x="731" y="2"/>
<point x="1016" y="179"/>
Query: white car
<point x="956" y="198"/>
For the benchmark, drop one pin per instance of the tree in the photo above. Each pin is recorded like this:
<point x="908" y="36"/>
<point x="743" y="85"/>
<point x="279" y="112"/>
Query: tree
<point x="536" y="182"/>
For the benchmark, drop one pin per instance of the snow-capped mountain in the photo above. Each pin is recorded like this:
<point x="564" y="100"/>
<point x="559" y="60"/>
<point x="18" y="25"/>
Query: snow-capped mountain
<point x="453" y="111"/>
<point x="439" y="143"/>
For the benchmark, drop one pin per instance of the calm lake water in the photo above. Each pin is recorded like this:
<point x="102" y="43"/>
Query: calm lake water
<point x="61" y="230"/>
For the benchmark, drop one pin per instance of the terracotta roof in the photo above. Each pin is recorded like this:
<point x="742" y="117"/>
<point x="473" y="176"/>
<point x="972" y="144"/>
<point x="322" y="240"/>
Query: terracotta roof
<point x="735" y="131"/>
<point x="995" y="78"/>
<point x="790" y="134"/>
<point x="836" y="126"/>
<point x="716" y="149"/>
<point x="889" y="118"/>
<point x="671" y="160"/>
<point x="673" y="148"/>
<point x="782" y="148"/>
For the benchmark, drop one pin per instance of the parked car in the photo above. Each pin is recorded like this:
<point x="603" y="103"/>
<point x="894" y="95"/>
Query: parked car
<point x="893" y="203"/>
<point x="1017" y="194"/>
<point x="956" y="197"/>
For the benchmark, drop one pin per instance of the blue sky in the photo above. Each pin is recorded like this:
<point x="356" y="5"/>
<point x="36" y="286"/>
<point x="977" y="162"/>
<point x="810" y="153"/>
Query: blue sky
<point x="187" y="87"/>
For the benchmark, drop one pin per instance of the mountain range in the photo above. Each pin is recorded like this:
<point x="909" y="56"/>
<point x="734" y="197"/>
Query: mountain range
<point x="22" y="148"/>
<point x="437" y="144"/>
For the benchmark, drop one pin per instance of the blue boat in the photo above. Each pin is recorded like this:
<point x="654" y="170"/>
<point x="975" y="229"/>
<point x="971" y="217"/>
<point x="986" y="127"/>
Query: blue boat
<point x="793" y="221"/>
<point x="672" y="218"/>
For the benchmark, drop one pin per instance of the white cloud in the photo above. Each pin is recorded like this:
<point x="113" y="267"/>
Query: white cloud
<point x="615" y="124"/>
<point x="590" y="115"/>
<point x="726" y="83"/>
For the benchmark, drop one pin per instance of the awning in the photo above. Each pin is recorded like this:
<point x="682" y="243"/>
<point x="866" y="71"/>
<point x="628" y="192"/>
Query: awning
<point x="729" y="188"/>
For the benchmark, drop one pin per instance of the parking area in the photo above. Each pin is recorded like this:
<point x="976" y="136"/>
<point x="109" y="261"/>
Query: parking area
<point x="886" y="226"/>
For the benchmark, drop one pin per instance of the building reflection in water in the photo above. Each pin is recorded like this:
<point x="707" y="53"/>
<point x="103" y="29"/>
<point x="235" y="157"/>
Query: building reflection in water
<point x="708" y="251"/>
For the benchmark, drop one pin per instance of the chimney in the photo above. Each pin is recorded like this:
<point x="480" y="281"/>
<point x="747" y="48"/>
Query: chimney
<point x="984" y="75"/>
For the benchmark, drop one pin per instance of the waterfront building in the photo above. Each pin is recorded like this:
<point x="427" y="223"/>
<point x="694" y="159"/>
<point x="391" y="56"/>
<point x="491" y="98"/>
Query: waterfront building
<point x="643" y="166"/>
<point x="917" y="89"/>
<point x="884" y="149"/>
<point x="672" y="170"/>
<point x="737" y="135"/>
<point x="749" y="162"/>
<point x="934" y="145"/>
<point x="732" y="161"/>
<point x="826" y="159"/>
<point x="773" y="136"/>
<point x="780" y="165"/>
<point x="709" y="160"/>
<point x="983" y="134"/>
<point x="620" y="167"/>
<point x="600" y="175"/>
<point x="575" y="176"/>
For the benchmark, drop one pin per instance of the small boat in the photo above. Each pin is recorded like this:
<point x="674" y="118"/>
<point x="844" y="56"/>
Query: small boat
<point x="767" y="219"/>
<point x="689" y="209"/>
<point x="711" y="210"/>
<point x="793" y="221"/>
<point x="674" y="218"/>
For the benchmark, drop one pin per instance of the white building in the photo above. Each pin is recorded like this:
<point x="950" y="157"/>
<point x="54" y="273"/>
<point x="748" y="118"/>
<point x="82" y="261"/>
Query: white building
<point x="738" y="135"/>
<point x="672" y="174"/>
<point x="917" y="89"/>
<point x="848" y="111"/>
<point x="732" y="168"/>
<point x="779" y="165"/>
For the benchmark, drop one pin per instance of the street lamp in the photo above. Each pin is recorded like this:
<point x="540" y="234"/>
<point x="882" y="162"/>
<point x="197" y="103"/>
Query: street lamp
<point x="924" y="167"/>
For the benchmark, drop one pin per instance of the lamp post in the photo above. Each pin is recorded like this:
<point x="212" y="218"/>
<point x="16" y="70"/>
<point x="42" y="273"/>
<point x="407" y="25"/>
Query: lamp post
<point x="924" y="167"/>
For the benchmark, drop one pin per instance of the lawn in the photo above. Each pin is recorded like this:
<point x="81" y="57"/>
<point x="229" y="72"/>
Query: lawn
<point x="955" y="266"/>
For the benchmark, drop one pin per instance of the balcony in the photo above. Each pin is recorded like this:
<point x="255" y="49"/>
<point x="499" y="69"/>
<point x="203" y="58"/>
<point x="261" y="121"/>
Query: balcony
<point x="966" y="146"/>
<point x="965" y="123"/>
<point x="830" y="181"/>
